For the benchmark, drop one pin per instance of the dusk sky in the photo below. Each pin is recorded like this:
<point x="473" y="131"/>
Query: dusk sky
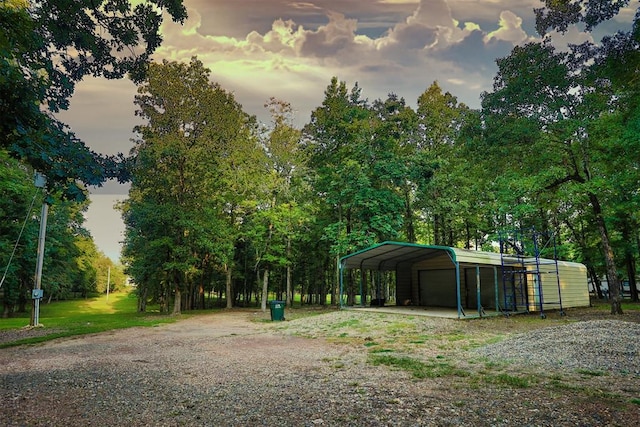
<point x="259" y="49"/>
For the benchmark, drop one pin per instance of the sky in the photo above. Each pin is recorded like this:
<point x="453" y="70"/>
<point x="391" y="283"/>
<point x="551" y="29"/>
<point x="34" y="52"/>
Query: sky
<point x="290" y="50"/>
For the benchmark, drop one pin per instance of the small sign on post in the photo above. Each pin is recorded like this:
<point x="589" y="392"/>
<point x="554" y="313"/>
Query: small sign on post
<point x="39" y="180"/>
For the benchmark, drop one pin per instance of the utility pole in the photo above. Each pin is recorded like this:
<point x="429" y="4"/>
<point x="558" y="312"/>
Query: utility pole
<point x="108" y="281"/>
<point x="40" y="182"/>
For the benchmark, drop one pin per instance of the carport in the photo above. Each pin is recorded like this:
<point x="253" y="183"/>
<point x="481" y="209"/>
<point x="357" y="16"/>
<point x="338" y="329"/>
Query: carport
<point x="473" y="283"/>
<point x="429" y="275"/>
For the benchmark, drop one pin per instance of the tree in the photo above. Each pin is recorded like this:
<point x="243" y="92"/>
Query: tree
<point x="279" y="218"/>
<point x="168" y="168"/>
<point x="70" y="252"/>
<point x="355" y="173"/>
<point x="48" y="46"/>
<point x="18" y="232"/>
<point x="191" y="174"/>
<point x="444" y="187"/>
<point x="613" y="66"/>
<point x="397" y="135"/>
<point x="61" y="272"/>
<point x="543" y="110"/>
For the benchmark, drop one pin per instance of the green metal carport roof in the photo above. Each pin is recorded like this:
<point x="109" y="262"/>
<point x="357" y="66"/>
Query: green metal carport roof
<point x="386" y="256"/>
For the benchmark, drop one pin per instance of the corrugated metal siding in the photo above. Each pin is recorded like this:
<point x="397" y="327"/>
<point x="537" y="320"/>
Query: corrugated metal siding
<point x="573" y="284"/>
<point x="440" y="262"/>
<point x="574" y="290"/>
<point x="466" y="256"/>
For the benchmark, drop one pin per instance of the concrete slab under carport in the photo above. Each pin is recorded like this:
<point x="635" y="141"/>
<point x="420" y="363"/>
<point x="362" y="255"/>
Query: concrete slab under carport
<point x="442" y="312"/>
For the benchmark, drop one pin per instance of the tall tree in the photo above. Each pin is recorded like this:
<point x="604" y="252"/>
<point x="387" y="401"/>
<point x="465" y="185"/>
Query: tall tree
<point x="281" y="215"/>
<point x="613" y="66"/>
<point x="353" y="173"/>
<point x="542" y="109"/>
<point x="48" y="46"/>
<point x="192" y="155"/>
<point x="397" y="134"/>
<point x="442" y="190"/>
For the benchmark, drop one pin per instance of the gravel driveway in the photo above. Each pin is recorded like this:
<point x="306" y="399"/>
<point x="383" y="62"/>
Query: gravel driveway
<point x="226" y="369"/>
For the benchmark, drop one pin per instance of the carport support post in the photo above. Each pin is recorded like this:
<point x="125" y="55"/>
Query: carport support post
<point x="495" y="280"/>
<point x="341" y="280"/>
<point x="458" y="289"/>
<point x="478" y="293"/>
<point x="363" y="297"/>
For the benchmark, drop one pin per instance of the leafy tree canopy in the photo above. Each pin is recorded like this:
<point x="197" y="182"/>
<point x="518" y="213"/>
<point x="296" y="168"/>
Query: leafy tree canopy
<point x="48" y="46"/>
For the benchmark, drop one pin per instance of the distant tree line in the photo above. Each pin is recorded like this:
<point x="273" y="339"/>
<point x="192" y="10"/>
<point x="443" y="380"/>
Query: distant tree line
<point x="73" y="266"/>
<point x="221" y="205"/>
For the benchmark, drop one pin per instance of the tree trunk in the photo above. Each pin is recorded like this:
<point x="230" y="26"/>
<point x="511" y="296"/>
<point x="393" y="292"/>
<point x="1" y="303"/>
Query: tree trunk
<point x="612" y="271"/>
<point x="289" y="293"/>
<point x="177" y="301"/>
<point x="228" y="290"/>
<point x="336" y="285"/>
<point x="142" y="301"/>
<point x="631" y="272"/>
<point x="201" y="299"/>
<point x="630" y="261"/>
<point x="410" y="229"/>
<point x="265" y="289"/>
<point x="595" y="280"/>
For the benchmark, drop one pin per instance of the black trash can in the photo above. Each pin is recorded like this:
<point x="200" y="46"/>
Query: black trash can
<point x="277" y="310"/>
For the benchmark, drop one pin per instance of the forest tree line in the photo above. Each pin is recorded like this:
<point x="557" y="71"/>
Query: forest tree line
<point x="46" y="47"/>
<point x="222" y="204"/>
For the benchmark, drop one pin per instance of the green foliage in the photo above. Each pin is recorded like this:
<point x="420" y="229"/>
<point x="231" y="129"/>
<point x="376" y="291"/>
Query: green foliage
<point x="560" y="14"/>
<point x="193" y="179"/>
<point x="445" y="193"/>
<point x="419" y="369"/>
<point x="48" y="46"/>
<point x="18" y="232"/>
<point x="71" y="258"/>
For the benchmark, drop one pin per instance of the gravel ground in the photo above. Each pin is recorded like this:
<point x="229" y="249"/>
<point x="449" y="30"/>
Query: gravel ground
<point x="599" y="346"/>
<point x="227" y="369"/>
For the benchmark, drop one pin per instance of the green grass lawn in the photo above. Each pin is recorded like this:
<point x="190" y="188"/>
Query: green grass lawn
<point x="86" y="316"/>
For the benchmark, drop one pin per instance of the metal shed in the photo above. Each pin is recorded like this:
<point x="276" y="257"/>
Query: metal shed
<point x="471" y="282"/>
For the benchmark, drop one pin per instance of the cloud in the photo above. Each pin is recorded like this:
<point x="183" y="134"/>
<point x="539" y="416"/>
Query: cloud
<point x="430" y="26"/>
<point x="572" y="36"/>
<point x="299" y="52"/>
<point x="510" y="29"/>
<point x="328" y="40"/>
